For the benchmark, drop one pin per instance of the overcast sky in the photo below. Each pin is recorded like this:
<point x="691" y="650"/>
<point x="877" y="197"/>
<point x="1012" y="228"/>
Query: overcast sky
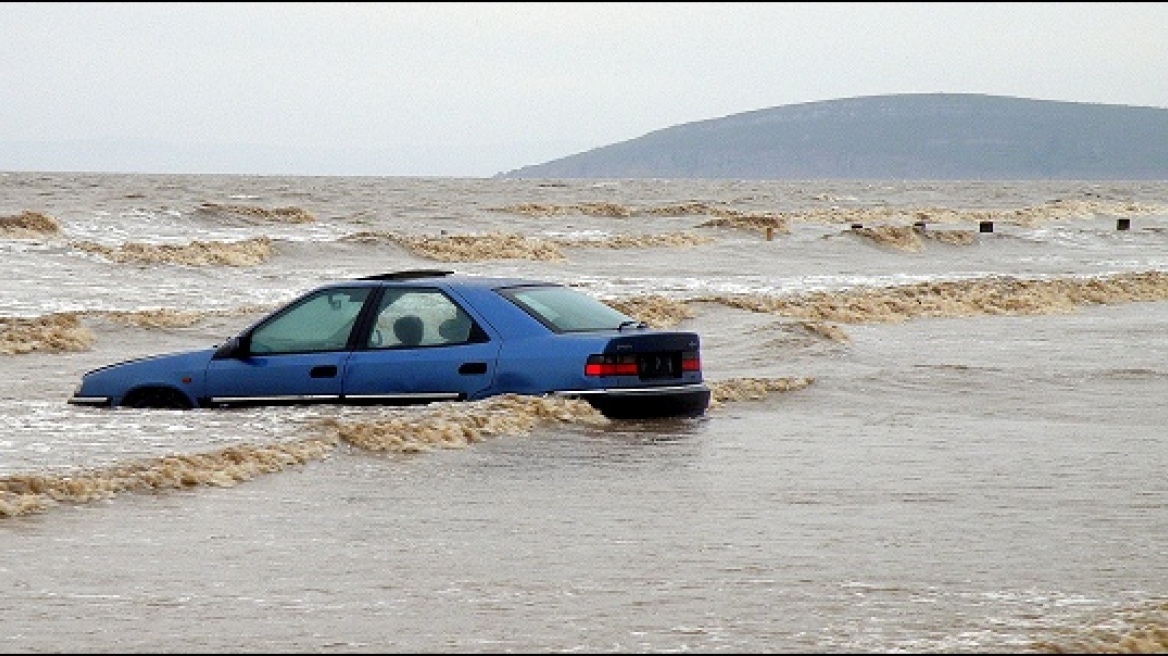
<point x="474" y="89"/>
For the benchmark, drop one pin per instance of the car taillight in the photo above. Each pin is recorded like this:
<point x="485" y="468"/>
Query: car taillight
<point x="611" y="365"/>
<point x="645" y="365"/>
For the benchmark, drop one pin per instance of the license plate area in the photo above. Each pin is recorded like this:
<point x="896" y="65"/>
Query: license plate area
<point x="652" y="366"/>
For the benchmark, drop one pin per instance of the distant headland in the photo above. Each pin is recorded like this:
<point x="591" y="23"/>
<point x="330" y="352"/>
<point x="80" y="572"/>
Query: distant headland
<point x="938" y="136"/>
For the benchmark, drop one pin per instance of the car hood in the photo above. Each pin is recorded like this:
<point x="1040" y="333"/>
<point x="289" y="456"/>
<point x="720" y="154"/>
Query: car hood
<point x="177" y="360"/>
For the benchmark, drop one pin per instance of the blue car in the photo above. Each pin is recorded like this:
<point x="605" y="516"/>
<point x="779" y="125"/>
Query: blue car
<point x="423" y="336"/>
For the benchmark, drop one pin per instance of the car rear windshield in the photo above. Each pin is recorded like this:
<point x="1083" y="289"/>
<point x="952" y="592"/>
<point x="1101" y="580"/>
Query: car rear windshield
<point x="563" y="309"/>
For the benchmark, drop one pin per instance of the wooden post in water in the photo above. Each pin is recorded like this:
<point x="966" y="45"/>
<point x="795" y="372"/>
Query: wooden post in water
<point x="985" y="226"/>
<point x="770" y="232"/>
<point x="1122" y="224"/>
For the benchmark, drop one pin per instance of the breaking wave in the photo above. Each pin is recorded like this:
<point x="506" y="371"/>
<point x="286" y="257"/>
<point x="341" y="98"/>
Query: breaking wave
<point x="28" y="225"/>
<point x="467" y="248"/>
<point x="1135" y="631"/>
<point x="66" y="331"/>
<point x="25" y="494"/>
<point x="412" y="430"/>
<point x="753" y="389"/>
<point x="724" y="217"/>
<point x="53" y="333"/>
<point x="171" y="318"/>
<point x="249" y="252"/>
<point x="459" y="424"/>
<point x="511" y="246"/>
<point x="1054" y="210"/>
<point x="912" y="238"/>
<point x="997" y="295"/>
<point x="668" y="239"/>
<point x="1057" y="209"/>
<point x="260" y="214"/>
<point x="655" y="310"/>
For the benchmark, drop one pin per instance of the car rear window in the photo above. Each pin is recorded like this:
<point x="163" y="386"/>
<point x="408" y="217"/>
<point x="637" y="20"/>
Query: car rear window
<point x="563" y="309"/>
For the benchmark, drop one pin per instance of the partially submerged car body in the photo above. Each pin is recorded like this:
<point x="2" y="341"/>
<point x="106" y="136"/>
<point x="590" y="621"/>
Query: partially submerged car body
<point x="423" y="336"/>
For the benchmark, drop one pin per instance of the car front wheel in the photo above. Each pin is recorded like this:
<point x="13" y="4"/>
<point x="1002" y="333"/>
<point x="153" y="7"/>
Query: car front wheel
<point x="158" y="398"/>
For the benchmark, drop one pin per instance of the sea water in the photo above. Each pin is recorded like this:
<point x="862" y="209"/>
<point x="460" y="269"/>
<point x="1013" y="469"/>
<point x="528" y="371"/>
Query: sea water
<point x="926" y="436"/>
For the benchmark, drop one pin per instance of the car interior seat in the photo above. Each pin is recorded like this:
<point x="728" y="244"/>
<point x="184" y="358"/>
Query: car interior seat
<point x="455" y="330"/>
<point x="408" y="330"/>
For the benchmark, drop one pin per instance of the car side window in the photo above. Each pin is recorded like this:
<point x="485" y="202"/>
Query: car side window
<point x="321" y="322"/>
<point x="419" y="317"/>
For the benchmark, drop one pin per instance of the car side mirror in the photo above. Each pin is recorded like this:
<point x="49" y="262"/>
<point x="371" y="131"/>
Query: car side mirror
<point x="236" y="347"/>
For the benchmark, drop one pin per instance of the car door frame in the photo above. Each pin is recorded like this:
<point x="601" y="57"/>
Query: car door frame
<point x="419" y="374"/>
<point x="238" y="376"/>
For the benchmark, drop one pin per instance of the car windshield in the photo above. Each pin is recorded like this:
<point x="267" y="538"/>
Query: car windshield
<point x="563" y="309"/>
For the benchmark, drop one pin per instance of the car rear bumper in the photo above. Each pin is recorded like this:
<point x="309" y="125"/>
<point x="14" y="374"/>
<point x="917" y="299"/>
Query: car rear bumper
<point x="645" y="402"/>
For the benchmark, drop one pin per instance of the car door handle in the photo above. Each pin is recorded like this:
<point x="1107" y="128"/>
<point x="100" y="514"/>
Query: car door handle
<point x="468" y="368"/>
<point x="323" y="371"/>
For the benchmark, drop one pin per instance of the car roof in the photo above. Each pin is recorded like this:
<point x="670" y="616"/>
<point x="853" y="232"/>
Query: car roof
<point x="410" y="276"/>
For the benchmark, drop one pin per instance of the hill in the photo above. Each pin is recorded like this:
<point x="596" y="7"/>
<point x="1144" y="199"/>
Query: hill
<point x="939" y="136"/>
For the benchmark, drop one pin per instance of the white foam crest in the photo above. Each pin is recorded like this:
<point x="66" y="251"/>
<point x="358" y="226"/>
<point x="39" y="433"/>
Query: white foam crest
<point x="686" y="287"/>
<point x="169" y="226"/>
<point x="587" y="234"/>
<point x="52" y="435"/>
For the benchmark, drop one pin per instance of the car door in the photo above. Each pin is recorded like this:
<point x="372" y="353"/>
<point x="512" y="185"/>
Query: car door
<point x="297" y="355"/>
<point x="421" y="346"/>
